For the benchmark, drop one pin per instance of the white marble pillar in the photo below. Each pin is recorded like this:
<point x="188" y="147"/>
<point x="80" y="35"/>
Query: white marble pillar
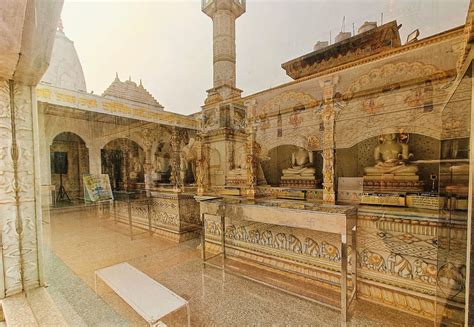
<point x="328" y="115"/>
<point x="20" y="205"/>
<point x="45" y="162"/>
<point x="148" y="170"/>
<point x="223" y="14"/>
<point x="175" y="141"/>
<point x="26" y="42"/>
<point x="252" y="160"/>
<point x="95" y="159"/>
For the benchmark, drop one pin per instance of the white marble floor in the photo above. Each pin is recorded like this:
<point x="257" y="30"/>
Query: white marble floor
<point x="77" y="243"/>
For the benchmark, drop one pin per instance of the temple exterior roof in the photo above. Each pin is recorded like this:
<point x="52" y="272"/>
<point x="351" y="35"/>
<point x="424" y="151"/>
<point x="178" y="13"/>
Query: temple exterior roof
<point x="129" y="90"/>
<point x="65" y="69"/>
<point x="368" y="43"/>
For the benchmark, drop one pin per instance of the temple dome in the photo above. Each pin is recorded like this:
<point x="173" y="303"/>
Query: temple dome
<point x="129" y="90"/>
<point x="65" y="70"/>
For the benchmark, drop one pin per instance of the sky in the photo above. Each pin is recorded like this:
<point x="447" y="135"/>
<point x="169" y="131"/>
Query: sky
<point x="168" y="44"/>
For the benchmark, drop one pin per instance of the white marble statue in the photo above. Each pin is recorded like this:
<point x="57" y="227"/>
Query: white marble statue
<point x="301" y="165"/>
<point x="239" y="172"/>
<point x="158" y="169"/>
<point x="188" y="158"/>
<point x="135" y="168"/>
<point x="391" y="157"/>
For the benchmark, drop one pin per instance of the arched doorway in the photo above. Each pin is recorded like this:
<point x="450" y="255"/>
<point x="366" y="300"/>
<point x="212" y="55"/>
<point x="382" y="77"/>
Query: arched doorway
<point x="69" y="161"/>
<point x="122" y="159"/>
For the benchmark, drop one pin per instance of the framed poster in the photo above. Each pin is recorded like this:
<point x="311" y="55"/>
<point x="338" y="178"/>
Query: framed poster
<point x="97" y="188"/>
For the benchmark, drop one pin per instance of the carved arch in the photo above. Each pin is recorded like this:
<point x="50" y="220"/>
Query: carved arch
<point x="74" y="129"/>
<point x="373" y="132"/>
<point x="402" y="71"/>
<point x="132" y="137"/>
<point x="306" y="142"/>
<point x="288" y="100"/>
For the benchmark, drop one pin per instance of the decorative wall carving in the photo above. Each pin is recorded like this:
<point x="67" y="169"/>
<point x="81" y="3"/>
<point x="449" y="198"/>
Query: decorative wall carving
<point x="17" y="199"/>
<point x="178" y="213"/>
<point x="388" y="74"/>
<point x="395" y="253"/>
<point x="287" y="101"/>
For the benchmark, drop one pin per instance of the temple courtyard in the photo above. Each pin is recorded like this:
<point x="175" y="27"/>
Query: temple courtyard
<point x="217" y="297"/>
<point x="322" y="177"/>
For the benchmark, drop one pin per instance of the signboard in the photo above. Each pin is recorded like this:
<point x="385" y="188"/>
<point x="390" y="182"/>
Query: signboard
<point x="97" y="188"/>
<point x="116" y="107"/>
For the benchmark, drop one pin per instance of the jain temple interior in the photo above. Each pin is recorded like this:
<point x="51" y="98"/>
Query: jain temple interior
<point x="342" y="197"/>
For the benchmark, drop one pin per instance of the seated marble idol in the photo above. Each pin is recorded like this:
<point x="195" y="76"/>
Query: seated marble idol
<point x="392" y="171"/>
<point x="391" y="158"/>
<point x="301" y="165"/>
<point x="240" y="167"/>
<point x="301" y="173"/>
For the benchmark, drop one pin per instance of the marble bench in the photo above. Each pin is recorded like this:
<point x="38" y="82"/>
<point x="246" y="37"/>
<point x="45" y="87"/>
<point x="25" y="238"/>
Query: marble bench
<point x="147" y="297"/>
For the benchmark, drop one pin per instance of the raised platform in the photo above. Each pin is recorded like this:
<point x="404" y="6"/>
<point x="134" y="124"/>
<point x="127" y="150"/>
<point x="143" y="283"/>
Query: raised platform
<point x="402" y="261"/>
<point x="172" y="215"/>
<point x="235" y="181"/>
<point x="299" y="183"/>
<point x="392" y="186"/>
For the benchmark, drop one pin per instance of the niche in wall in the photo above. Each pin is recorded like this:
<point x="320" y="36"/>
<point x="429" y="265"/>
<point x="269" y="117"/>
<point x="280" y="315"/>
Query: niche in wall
<point x="280" y="158"/>
<point x="350" y="162"/>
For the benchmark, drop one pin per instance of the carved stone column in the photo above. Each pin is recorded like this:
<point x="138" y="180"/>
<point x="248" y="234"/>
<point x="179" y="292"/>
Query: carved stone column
<point x="20" y="208"/>
<point x="202" y="169"/>
<point x="26" y="46"/>
<point x="252" y="161"/>
<point x="328" y="117"/>
<point x="95" y="160"/>
<point x="223" y="14"/>
<point x="125" y="168"/>
<point x="329" y="194"/>
<point x="148" y="164"/>
<point x="175" y="159"/>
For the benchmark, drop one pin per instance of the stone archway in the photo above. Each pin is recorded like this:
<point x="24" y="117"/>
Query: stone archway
<point x="73" y="148"/>
<point x="123" y="160"/>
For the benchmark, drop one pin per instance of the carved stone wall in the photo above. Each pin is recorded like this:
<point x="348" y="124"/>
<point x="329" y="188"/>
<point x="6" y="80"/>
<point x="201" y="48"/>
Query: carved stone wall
<point x="174" y="216"/>
<point x="397" y="252"/>
<point x="19" y="186"/>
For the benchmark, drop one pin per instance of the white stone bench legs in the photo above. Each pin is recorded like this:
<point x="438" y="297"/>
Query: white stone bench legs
<point x="147" y="297"/>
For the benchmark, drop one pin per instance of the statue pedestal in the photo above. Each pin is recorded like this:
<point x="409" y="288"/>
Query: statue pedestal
<point x="299" y="182"/>
<point x="391" y="183"/>
<point x="236" y="180"/>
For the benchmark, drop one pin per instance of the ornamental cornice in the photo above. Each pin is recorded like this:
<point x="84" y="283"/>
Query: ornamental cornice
<point x="456" y="32"/>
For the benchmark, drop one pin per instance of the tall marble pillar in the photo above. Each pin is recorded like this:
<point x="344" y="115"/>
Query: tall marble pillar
<point x="223" y="121"/>
<point x="328" y="118"/>
<point x="19" y="189"/>
<point x="175" y="141"/>
<point x="252" y="161"/>
<point x="223" y="14"/>
<point x="95" y="159"/>
<point x="202" y="166"/>
<point x="29" y="30"/>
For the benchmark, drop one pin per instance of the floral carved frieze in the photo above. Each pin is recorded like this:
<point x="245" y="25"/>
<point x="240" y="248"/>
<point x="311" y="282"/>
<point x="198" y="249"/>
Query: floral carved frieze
<point x="392" y="73"/>
<point x="287" y="101"/>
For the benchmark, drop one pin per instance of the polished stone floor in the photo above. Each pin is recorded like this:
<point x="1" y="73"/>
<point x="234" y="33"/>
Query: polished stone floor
<point x="77" y="242"/>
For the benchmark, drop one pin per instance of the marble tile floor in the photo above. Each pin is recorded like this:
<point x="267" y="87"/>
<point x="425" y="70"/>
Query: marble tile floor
<point x="77" y="243"/>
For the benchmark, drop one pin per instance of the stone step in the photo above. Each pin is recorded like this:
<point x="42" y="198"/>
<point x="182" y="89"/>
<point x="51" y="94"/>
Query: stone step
<point x="34" y="308"/>
<point x="17" y="311"/>
<point x="44" y="308"/>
